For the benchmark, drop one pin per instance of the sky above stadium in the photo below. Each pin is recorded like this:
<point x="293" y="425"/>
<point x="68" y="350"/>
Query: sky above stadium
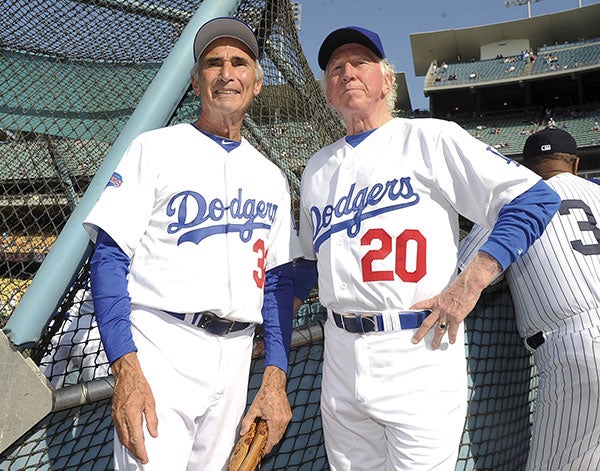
<point x="395" y="20"/>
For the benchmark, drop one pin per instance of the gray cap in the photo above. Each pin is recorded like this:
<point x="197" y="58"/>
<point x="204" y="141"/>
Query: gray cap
<point x="224" y="27"/>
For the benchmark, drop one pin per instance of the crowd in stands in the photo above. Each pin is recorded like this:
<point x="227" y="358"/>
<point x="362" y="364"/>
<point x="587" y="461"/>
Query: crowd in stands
<point x="509" y="132"/>
<point x="11" y="243"/>
<point x="11" y="291"/>
<point x="570" y="55"/>
<point x="481" y="70"/>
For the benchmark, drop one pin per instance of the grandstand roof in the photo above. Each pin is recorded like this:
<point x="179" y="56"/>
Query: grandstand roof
<point x="78" y="109"/>
<point x="20" y="160"/>
<point x="83" y="106"/>
<point x="554" y="28"/>
<point x="403" y="97"/>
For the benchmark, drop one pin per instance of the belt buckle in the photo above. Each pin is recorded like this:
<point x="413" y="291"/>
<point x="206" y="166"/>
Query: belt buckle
<point x="371" y="319"/>
<point x="206" y="319"/>
<point x="350" y="327"/>
<point x="343" y="319"/>
<point x="534" y="341"/>
<point x="216" y="325"/>
<point x="367" y="322"/>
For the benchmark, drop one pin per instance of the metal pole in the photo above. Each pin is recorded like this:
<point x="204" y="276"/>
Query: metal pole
<point x="72" y="247"/>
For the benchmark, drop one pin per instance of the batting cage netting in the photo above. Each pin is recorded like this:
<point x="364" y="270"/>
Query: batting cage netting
<point x="73" y="72"/>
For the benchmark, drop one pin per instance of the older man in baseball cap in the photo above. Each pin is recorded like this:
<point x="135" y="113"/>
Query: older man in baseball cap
<point x="180" y="275"/>
<point x="379" y="214"/>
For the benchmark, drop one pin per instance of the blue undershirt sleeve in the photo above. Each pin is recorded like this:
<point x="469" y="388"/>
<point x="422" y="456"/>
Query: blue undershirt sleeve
<point x="520" y="223"/>
<point x="278" y="315"/>
<point x="109" y="267"/>
<point x="305" y="277"/>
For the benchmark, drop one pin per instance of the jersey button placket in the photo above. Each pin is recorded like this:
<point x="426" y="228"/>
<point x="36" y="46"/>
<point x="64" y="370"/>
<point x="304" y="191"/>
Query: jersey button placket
<point x="336" y="247"/>
<point x="339" y="248"/>
<point x="338" y="239"/>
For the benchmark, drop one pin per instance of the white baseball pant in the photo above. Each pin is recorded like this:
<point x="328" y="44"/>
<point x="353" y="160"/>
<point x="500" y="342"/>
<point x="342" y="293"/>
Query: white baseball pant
<point x="388" y="404"/>
<point x="200" y="384"/>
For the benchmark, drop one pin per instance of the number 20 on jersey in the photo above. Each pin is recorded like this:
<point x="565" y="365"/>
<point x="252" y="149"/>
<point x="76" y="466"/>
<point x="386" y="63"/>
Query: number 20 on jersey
<point x="398" y="249"/>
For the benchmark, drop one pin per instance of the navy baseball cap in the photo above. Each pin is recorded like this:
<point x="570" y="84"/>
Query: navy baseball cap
<point x="224" y="27"/>
<point x="349" y="34"/>
<point x="548" y="141"/>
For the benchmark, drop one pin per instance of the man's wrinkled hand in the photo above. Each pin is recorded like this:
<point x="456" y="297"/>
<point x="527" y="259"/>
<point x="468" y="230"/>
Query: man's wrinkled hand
<point x="271" y="404"/>
<point x="133" y="402"/>
<point x="453" y="305"/>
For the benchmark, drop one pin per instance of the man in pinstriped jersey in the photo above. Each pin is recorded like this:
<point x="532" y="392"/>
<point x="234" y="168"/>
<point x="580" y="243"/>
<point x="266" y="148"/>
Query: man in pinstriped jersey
<point x="556" y="294"/>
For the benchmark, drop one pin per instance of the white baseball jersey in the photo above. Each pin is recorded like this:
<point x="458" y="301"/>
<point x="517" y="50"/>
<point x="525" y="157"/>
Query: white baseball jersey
<point x="200" y="224"/>
<point x="381" y="219"/>
<point x="556" y="290"/>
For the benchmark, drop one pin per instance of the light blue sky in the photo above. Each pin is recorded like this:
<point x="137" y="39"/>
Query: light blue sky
<point x="395" y="20"/>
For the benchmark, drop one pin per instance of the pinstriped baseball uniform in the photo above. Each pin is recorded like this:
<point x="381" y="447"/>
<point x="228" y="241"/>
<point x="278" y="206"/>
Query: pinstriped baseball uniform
<point x="556" y="291"/>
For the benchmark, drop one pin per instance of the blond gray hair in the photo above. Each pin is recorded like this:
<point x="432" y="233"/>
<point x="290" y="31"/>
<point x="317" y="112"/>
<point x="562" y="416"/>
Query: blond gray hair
<point x="390" y="97"/>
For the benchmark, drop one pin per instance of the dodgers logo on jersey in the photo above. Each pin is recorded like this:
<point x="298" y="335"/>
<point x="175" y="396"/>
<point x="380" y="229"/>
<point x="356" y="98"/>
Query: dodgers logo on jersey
<point x="115" y="180"/>
<point x="502" y="156"/>
<point x="192" y="210"/>
<point x="354" y="205"/>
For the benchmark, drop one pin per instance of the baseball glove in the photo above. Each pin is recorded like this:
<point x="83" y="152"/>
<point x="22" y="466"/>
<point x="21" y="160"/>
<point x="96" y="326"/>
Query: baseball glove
<point x="248" y="450"/>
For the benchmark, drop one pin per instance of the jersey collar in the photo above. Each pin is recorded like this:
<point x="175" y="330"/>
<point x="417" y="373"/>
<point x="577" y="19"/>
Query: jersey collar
<point x="227" y="144"/>
<point x="356" y="139"/>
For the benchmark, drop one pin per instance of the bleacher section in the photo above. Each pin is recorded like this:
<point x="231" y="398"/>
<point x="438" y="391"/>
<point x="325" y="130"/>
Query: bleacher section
<point x="479" y="71"/>
<point x="11" y="292"/>
<point x="555" y="58"/>
<point x="567" y="45"/>
<point x="508" y="133"/>
<point x="582" y="124"/>
<point x="83" y="109"/>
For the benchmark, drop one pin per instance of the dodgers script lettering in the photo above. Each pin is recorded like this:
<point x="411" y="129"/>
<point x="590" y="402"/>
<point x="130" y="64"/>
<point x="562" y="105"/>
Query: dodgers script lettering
<point x="194" y="215"/>
<point x="355" y="204"/>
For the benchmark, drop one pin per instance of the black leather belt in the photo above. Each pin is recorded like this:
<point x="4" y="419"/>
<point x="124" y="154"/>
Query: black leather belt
<point x="210" y="322"/>
<point x="358" y="323"/>
<point x="535" y="340"/>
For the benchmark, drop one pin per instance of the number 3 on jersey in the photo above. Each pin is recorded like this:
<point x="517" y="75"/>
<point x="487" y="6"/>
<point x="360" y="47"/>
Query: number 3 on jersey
<point x="259" y="274"/>
<point x="401" y="264"/>
<point x="588" y="224"/>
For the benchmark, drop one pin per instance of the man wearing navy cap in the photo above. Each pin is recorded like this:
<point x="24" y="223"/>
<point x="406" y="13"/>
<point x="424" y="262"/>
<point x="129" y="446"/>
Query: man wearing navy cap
<point x="379" y="215"/>
<point x="556" y="295"/>
<point x="192" y="234"/>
